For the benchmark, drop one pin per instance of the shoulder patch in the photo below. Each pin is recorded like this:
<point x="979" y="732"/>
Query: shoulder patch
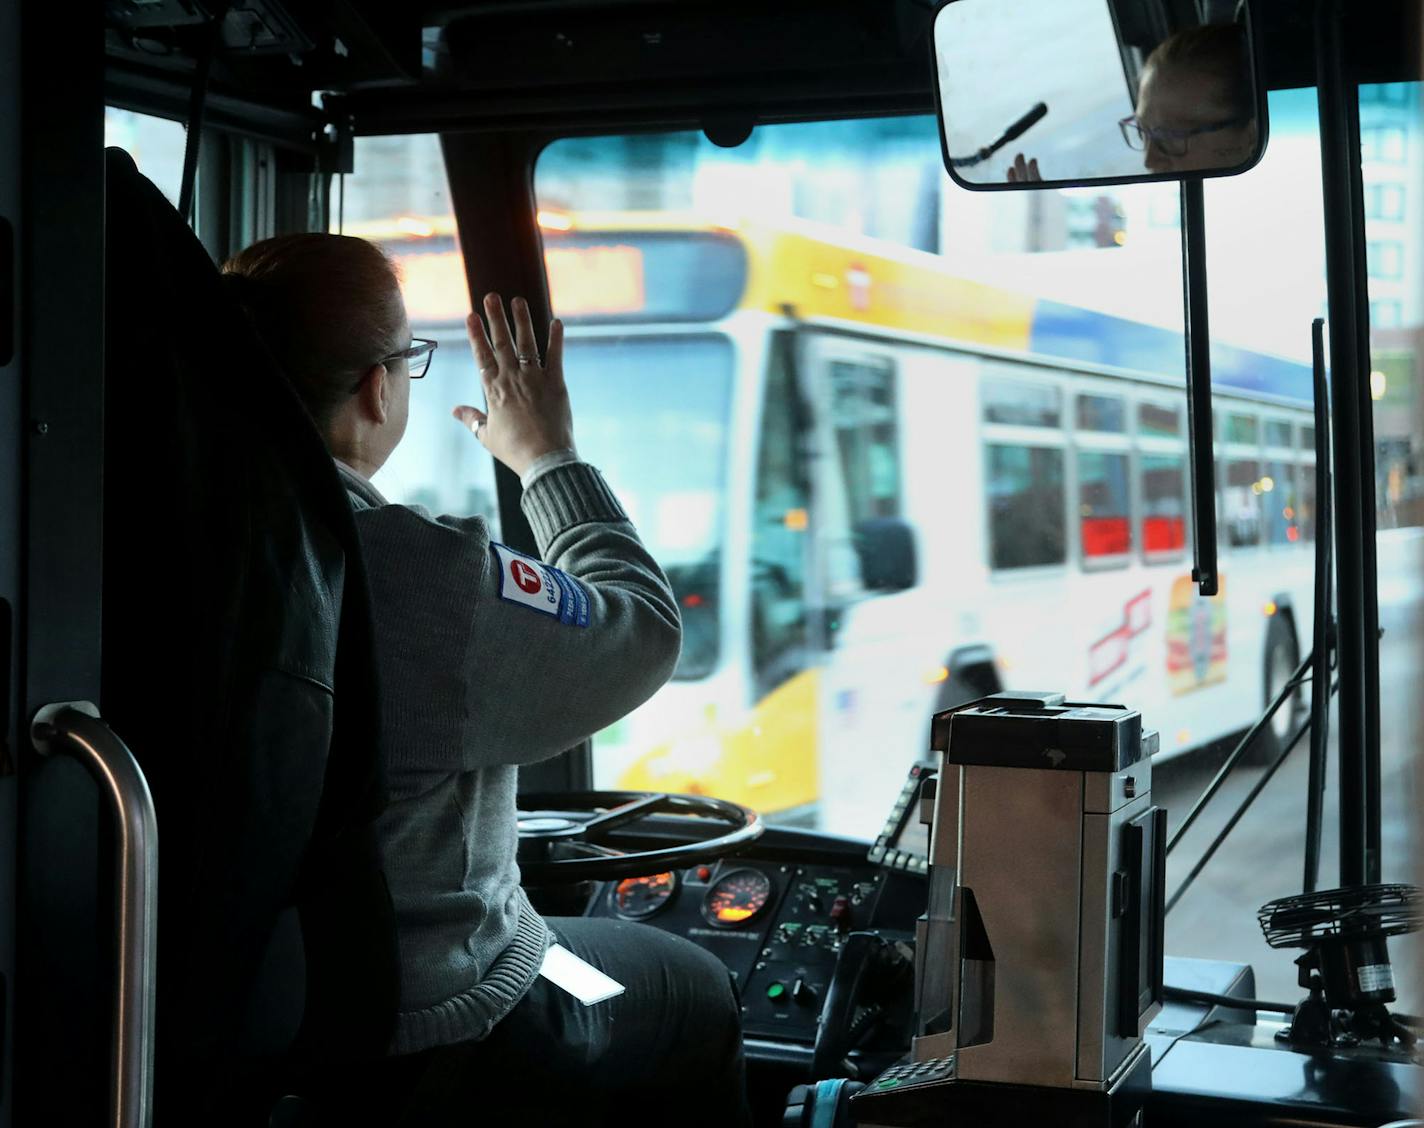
<point x="536" y="585"/>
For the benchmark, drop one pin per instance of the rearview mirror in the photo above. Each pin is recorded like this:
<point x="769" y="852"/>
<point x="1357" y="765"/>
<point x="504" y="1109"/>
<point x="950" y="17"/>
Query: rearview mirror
<point x="888" y="560"/>
<point x="1071" y="92"/>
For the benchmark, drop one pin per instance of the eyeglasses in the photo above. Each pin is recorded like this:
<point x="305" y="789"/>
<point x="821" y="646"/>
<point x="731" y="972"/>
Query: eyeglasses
<point x="1173" y="142"/>
<point x="417" y="357"/>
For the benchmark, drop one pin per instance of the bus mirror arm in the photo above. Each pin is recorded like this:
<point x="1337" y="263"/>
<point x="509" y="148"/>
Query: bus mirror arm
<point x="1199" y="420"/>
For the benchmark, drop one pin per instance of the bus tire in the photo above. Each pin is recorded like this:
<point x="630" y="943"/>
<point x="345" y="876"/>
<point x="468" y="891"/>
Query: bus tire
<point x="1280" y="660"/>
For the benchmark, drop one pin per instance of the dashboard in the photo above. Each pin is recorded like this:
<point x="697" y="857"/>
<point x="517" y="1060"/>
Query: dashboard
<point x="778" y="915"/>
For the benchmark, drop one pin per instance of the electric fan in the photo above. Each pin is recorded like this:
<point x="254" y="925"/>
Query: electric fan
<point x="1345" y="965"/>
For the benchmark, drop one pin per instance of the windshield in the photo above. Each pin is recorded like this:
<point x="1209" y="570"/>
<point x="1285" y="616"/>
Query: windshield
<point x="948" y="453"/>
<point x="653" y="413"/>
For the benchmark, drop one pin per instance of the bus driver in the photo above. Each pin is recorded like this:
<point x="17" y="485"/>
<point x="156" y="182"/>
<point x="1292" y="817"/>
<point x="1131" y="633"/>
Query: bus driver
<point x="478" y="675"/>
<point x="1196" y="109"/>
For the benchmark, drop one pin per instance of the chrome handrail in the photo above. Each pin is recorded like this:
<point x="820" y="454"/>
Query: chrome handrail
<point x="75" y="728"/>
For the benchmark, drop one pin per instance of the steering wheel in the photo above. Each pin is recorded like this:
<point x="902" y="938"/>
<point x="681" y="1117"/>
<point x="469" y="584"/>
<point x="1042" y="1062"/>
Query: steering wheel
<point x="562" y="834"/>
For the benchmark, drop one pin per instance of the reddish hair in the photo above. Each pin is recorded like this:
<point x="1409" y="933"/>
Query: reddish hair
<point x="328" y="306"/>
<point x="1220" y="48"/>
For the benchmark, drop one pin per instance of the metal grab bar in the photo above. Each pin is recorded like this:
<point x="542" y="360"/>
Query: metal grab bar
<point x="74" y="728"/>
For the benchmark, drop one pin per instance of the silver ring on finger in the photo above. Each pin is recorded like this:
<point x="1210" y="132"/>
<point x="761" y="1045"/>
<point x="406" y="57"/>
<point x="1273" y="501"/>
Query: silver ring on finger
<point x="525" y="358"/>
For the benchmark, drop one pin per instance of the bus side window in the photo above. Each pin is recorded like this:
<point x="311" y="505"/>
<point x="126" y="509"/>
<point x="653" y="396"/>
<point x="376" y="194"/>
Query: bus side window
<point x="1306" y="492"/>
<point x="1104" y="489"/>
<point x="780" y="531"/>
<point x="1104" y="523"/>
<point x="1162" y="470"/>
<point x="1027" y="498"/>
<point x="1240" y="497"/>
<point x="1164" y="506"/>
<point x="863" y="412"/>
<point x="1281" y="503"/>
<point x="1307" y="502"/>
<point x="1025" y="504"/>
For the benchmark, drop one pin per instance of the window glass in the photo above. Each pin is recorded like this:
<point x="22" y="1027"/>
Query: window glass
<point x="1104" y="527"/>
<point x="397" y="198"/>
<point x="780" y="530"/>
<point x="1240" y="494"/>
<point x="853" y="224"/>
<point x="1383" y="143"/>
<point x="867" y="435"/>
<point x="1028" y="405"/>
<point x="1386" y="313"/>
<point x="156" y="145"/>
<point x="1384" y="202"/>
<point x="1385" y="259"/>
<point x="855" y="221"/>
<point x="1397" y="390"/>
<point x="1241" y="429"/>
<point x="1307" y="439"/>
<point x="1280" y="503"/>
<point x="1102" y="413"/>
<point x="662" y="445"/>
<point x="1305" y="476"/>
<point x="1278" y="433"/>
<point x="1164" y="505"/>
<point x="1026" y="502"/>
<point x="1155" y="419"/>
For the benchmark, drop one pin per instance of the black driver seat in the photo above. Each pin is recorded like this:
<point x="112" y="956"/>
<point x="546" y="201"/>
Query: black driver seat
<point x="238" y="666"/>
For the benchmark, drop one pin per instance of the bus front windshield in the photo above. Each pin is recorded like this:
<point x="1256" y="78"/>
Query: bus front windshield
<point x="652" y="413"/>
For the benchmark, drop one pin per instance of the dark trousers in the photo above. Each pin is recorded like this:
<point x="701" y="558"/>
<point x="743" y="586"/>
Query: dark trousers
<point x="668" y="1051"/>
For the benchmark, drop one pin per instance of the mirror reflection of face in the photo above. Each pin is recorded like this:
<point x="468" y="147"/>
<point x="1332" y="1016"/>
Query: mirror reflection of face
<point x="1180" y="97"/>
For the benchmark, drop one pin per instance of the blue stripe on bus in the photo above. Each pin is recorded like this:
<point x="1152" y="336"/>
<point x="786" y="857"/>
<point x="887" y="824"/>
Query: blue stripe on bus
<point x="1070" y="333"/>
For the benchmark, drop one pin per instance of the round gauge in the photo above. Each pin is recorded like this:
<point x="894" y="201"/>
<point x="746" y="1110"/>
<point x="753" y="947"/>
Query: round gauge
<point x="736" y="898"/>
<point x="637" y="897"/>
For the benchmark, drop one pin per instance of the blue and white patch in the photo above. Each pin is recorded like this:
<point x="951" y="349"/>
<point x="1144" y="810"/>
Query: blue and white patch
<point x="536" y="585"/>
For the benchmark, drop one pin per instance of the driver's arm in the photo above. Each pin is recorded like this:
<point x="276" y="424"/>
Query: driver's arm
<point x="500" y="659"/>
<point x="542" y="682"/>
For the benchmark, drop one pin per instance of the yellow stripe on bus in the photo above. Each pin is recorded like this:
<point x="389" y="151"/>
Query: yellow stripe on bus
<point x="911" y="291"/>
<point x="794" y="266"/>
<point x="768" y="764"/>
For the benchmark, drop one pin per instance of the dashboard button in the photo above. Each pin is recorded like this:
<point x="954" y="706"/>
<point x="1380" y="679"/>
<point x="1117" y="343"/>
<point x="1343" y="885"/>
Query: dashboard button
<point x="776" y="992"/>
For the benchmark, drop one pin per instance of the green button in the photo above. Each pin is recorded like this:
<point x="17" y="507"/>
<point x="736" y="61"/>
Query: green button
<point x="888" y="1083"/>
<point x="776" y="990"/>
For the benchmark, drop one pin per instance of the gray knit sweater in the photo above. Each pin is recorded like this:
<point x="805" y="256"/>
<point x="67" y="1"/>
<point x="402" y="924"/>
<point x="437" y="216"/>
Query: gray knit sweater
<point x="489" y="660"/>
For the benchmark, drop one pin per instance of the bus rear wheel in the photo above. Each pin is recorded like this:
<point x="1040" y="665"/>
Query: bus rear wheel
<point x="1281" y="659"/>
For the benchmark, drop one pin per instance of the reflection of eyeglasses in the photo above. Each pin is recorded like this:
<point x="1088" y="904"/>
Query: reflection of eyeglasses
<point x="1173" y="142"/>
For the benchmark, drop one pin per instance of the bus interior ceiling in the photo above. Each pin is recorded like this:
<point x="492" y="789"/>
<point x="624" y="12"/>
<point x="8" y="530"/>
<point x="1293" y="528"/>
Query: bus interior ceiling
<point x="569" y="66"/>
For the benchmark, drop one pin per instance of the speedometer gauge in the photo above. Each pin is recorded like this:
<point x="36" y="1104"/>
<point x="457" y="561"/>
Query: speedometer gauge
<point x="736" y="898"/>
<point x="635" y="898"/>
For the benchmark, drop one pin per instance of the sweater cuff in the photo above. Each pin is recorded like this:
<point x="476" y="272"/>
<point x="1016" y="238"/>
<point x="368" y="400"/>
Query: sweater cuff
<point x="546" y="462"/>
<point x="566" y="496"/>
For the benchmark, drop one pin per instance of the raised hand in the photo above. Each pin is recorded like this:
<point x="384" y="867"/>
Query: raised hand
<point x="527" y="403"/>
<point x="1022" y="172"/>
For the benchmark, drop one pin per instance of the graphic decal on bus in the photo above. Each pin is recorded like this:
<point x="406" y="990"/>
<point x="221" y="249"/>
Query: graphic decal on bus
<point x="1110" y="653"/>
<point x="1196" y="637"/>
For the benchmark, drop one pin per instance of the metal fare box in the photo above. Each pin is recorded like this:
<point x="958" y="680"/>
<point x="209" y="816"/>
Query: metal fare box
<point x="1039" y="961"/>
